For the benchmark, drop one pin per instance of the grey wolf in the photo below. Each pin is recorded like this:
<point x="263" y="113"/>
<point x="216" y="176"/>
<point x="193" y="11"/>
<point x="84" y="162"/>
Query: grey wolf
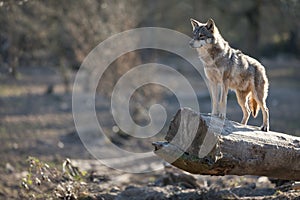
<point x="230" y="69"/>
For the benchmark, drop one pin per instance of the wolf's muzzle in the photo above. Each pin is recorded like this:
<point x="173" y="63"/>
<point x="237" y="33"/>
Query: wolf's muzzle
<point x="191" y="43"/>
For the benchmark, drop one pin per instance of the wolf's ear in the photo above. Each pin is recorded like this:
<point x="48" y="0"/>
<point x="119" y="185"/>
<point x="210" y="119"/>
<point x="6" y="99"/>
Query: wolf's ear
<point x="210" y="25"/>
<point x="194" y="23"/>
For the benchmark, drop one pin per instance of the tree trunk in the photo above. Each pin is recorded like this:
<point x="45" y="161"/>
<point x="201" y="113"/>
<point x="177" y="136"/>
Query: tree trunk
<point x="202" y="144"/>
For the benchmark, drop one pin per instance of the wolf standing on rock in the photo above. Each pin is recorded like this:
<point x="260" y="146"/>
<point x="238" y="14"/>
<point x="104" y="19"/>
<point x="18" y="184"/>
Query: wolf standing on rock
<point x="230" y="68"/>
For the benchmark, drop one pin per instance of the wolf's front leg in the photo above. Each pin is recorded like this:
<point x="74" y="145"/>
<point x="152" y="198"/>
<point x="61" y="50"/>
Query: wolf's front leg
<point x="214" y="97"/>
<point x="223" y="100"/>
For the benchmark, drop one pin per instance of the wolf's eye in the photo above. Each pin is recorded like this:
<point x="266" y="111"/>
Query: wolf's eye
<point x="201" y="35"/>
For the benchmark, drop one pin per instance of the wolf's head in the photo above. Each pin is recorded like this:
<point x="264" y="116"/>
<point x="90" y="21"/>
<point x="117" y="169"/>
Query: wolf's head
<point x="203" y="33"/>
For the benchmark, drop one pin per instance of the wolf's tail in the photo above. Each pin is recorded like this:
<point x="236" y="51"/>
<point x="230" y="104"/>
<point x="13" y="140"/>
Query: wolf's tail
<point x="254" y="107"/>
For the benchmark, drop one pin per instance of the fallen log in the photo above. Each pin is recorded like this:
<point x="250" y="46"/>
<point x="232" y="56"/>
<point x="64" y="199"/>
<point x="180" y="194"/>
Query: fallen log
<point x="208" y="145"/>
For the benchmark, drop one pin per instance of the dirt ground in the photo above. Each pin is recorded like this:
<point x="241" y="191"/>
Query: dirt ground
<point x="36" y="120"/>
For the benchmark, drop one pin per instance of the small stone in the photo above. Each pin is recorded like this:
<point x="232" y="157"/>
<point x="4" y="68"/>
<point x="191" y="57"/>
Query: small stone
<point x="9" y="168"/>
<point x="60" y="145"/>
<point x="115" y="189"/>
<point x="263" y="179"/>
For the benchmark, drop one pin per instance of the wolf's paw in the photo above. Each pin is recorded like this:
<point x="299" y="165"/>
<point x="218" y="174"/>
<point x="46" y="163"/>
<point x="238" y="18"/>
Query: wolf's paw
<point x="222" y="115"/>
<point x="264" y="128"/>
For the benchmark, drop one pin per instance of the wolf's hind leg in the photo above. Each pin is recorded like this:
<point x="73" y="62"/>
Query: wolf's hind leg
<point x="242" y="98"/>
<point x="265" y="111"/>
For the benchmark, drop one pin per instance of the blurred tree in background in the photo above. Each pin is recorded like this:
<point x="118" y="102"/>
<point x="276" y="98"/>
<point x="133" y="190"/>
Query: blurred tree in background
<point x="62" y="33"/>
<point x="55" y="33"/>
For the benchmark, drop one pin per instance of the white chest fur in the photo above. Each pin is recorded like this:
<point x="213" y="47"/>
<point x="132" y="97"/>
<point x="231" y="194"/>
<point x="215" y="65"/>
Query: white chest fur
<point x="214" y="74"/>
<point x="205" y="57"/>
